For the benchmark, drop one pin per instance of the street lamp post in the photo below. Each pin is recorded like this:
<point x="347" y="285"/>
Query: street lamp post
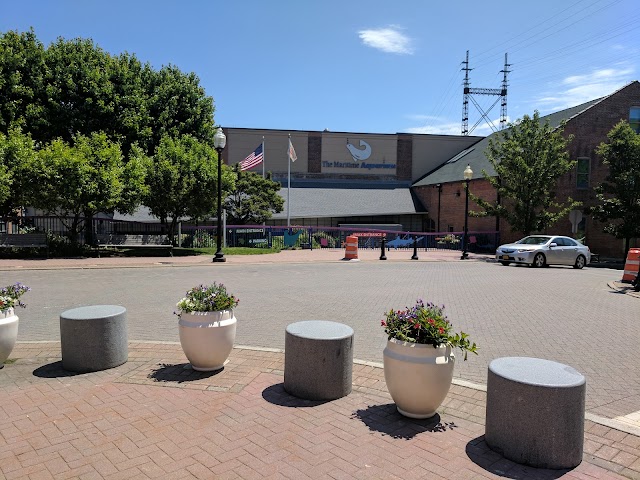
<point x="219" y="142"/>
<point x="468" y="174"/>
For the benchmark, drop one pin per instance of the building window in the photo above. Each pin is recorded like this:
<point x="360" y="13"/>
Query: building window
<point x="583" y="170"/>
<point x="634" y="119"/>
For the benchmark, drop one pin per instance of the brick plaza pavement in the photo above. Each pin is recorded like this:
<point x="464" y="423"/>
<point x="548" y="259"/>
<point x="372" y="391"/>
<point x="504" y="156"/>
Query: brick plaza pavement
<point x="154" y="418"/>
<point x="557" y="313"/>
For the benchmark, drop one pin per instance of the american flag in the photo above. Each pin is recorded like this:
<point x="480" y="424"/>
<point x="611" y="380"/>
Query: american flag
<point x="252" y="160"/>
<point x="292" y="152"/>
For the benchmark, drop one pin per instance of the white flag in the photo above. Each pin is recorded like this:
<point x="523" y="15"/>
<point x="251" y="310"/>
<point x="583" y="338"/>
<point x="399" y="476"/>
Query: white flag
<point x="292" y="152"/>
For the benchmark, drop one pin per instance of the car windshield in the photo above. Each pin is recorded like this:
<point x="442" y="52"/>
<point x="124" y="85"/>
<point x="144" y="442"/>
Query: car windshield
<point x="534" y="240"/>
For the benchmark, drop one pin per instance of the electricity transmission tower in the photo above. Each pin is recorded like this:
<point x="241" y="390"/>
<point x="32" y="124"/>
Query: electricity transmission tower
<point x="501" y="93"/>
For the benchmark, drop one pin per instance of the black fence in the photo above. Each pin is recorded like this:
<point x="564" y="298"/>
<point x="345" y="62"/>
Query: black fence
<point x="261" y="236"/>
<point x="61" y="226"/>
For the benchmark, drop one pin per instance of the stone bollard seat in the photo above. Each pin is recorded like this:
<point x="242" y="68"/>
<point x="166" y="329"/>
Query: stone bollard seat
<point x="93" y="338"/>
<point x="535" y="412"/>
<point x="318" y="360"/>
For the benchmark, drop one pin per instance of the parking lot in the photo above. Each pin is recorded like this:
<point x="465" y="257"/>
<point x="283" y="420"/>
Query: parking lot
<point x="557" y="313"/>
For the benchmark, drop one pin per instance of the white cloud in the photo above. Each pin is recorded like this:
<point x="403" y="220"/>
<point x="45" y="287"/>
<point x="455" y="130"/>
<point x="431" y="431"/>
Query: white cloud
<point x="419" y="117"/>
<point x="443" y="126"/>
<point x="578" y="89"/>
<point x="388" y="39"/>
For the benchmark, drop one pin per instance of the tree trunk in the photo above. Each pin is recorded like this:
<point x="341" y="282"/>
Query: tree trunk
<point x="73" y="231"/>
<point x="172" y="228"/>
<point x="89" y="235"/>
<point x="627" y="246"/>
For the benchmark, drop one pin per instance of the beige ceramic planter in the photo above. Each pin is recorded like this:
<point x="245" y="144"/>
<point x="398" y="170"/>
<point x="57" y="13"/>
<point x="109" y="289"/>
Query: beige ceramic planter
<point x="8" y="333"/>
<point x="207" y="338"/>
<point x="418" y="376"/>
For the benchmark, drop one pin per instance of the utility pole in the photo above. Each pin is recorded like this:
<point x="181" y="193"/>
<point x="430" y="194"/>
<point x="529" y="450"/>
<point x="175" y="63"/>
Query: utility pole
<point x="501" y="93"/>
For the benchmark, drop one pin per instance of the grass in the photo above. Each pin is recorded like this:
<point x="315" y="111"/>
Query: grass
<point x="152" y="252"/>
<point x="9" y="361"/>
<point x="227" y="251"/>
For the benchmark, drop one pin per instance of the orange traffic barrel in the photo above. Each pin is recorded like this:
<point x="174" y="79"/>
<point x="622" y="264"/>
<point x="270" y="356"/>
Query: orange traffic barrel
<point x="631" y="265"/>
<point x="351" y="248"/>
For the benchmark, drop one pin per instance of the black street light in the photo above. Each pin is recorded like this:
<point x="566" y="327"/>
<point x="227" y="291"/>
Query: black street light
<point x="468" y="174"/>
<point x="219" y="142"/>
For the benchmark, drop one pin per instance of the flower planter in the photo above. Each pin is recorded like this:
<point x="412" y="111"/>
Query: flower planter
<point x="207" y="338"/>
<point x="418" y="376"/>
<point x="8" y="333"/>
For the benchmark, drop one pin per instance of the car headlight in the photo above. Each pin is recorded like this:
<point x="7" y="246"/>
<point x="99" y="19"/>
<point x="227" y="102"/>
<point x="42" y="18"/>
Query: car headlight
<point x="520" y="250"/>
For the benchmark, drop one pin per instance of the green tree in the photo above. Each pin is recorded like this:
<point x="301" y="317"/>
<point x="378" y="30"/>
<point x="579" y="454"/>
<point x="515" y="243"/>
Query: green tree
<point x="81" y="99"/>
<point x="254" y="199"/>
<point x="528" y="159"/>
<point x="22" y="71"/>
<point x="619" y="194"/>
<point x="182" y="181"/>
<point x="6" y="180"/>
<point x="177" y="105"/>
<point x="80" y="180"/>
<point x="17" y="181"/>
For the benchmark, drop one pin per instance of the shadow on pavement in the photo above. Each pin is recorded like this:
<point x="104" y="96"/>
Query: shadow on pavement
<point x="479" y="453"/>
<point x="179" y="373"/>
<point x="386" y="420"/>
<point x="54" y="370"/>
<point x="277" y="395"/>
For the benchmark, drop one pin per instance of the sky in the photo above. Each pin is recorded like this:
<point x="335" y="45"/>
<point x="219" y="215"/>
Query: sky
<point x="362" y="66"/>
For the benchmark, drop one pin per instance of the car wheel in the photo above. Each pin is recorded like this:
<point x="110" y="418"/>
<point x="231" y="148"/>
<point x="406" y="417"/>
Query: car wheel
<point x="539" y="260"/>
<point x="506" y="264"/>
<point x="580" y="262"/>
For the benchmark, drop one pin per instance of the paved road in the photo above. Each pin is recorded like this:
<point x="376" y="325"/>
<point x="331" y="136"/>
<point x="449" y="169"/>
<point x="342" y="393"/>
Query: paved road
<point x="556" y="313"/>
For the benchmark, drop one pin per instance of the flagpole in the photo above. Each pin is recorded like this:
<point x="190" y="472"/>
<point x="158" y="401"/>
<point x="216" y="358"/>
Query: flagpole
<point x="263" y="156"/>
<point x="288" y="182"/>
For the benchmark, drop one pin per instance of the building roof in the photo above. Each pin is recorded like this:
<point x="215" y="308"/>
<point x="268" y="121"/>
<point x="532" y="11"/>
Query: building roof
<point x="328" y="202"/>
<point x="349" y="202"/>
<point x="451" y="170"/>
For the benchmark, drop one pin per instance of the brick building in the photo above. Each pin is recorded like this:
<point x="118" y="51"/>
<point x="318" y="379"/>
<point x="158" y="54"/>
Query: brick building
<point x="347" y="178"/>
<point x="416" y="180"/>
<point x="589" y="123"/>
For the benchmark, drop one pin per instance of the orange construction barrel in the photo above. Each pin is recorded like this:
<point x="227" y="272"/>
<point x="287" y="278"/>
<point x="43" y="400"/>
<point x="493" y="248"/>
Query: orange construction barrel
<point x="631" y="265"/>
<point x="351" y="248"/>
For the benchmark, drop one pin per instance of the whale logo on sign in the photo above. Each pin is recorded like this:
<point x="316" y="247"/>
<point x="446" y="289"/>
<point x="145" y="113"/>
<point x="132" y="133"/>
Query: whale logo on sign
<point x="359" y="154"/>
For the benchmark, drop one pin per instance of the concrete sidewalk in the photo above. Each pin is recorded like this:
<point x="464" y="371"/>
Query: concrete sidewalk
<point x="154" y="417"/>
<point x="285" y="256"/>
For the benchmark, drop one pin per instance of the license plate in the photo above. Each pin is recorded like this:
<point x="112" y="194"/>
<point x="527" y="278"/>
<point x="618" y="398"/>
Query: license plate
<point x="505" y="257"/>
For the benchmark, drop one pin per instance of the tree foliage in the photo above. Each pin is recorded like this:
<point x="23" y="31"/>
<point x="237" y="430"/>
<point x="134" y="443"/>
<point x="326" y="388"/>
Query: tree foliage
<point x="87" y="111"/>
<point x="254" y="199"/>
<point x="17" y="182"/>
<point x="619" y="194"/>
<point x="86" y="178"/>
<point x="177" y="105"/>
<point x="182" y="180"/>
<point x="21" y="81"/>
<point x="75" y="87"/>
<point x="528" y="159"/>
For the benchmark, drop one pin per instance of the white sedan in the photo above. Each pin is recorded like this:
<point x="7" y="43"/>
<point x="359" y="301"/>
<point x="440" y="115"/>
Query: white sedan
<point x="541" y="250"/>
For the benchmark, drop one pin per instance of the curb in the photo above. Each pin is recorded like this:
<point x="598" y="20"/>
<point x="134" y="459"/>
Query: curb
<point x="620" y="289"/>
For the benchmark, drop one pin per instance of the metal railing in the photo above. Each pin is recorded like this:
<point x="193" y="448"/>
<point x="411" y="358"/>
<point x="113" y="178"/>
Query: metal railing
<point x="264" y="236"/>
<point x="261" y="236"/>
